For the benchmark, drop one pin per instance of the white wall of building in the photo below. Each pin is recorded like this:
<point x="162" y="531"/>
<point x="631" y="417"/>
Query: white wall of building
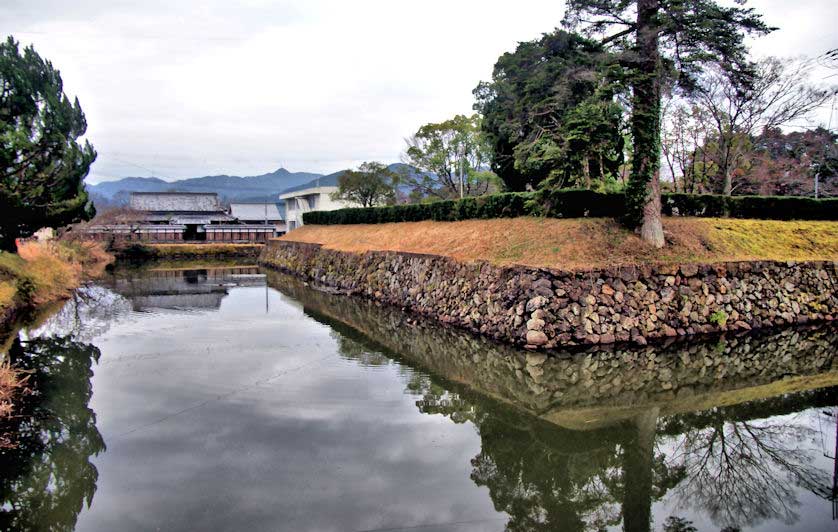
<point x="311" y="199"/>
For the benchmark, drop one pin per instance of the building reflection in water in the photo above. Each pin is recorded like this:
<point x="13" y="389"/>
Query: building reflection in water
<point x="47" y="475"/>
<point x="175" y="287"/>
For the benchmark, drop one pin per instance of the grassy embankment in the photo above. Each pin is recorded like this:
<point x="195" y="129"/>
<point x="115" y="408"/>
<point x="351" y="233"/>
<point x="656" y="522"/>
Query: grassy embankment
<point x="585" y="243"/>
<point x="38" y="274"/>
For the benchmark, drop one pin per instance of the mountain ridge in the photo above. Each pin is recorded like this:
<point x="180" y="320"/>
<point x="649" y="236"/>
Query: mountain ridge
<point x="229" y="187"/>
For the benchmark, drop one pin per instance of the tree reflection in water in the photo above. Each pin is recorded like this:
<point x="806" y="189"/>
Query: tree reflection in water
<point x="541" y="475"/>
<point x="739" y="465"/>
<point x="743" y="472"/>
<point x="48" y="476"/>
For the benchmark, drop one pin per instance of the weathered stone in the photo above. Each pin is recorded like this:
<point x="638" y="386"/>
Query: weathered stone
<point x="536" y="303"/>
<point x="618" y="297"/>
<point x="639" y="339"/>
<point x="536" y="338"/>
<point x="542" y="291"/>
<point x="535" y="324"/>
<point x="536" y="359"/>
<point x="535" y="372"/>
<point x="542" y="283"/>
<point x="688" y="270"/>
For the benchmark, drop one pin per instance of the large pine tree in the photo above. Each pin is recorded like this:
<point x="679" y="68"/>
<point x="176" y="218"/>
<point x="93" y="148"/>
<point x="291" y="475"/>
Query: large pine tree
<point x="660" y="38"/>
<point x="42" y="163"/>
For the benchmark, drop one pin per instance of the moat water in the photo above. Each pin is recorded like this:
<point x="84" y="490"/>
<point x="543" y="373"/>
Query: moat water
<point x="226" y="397"/>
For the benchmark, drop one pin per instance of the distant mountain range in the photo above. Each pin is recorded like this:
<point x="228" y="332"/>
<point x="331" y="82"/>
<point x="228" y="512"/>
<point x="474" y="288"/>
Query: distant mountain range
<point x="229" y="187"/>
<point x="265" y="187"/>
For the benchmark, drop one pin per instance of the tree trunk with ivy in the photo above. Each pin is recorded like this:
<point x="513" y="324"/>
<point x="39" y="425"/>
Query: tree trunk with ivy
<point x="643" y="202"/>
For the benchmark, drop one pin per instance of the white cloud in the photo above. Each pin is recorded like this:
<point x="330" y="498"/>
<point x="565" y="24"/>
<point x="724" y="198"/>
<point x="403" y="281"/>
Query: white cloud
<point x="208" y="87"/>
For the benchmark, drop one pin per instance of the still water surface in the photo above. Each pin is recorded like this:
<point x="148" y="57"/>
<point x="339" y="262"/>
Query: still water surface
<point x="223" y="398"/>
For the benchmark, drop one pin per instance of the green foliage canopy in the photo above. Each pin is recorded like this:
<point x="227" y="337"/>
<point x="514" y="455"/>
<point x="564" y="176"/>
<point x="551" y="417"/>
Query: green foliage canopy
<point x="550" y="112"/>
<point x="453" y="157"/>
<point x="42" y="163"/>
<point x="372" y="184"/>
<point x="660" y="39"/>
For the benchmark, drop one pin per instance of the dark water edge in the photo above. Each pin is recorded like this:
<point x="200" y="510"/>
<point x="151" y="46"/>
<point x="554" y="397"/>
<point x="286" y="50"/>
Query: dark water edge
<point x="227" y="397"/>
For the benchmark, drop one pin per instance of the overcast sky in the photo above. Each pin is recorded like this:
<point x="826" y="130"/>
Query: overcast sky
<point x="199" y="87"/>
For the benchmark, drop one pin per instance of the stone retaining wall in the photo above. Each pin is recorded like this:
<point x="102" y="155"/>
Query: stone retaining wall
<point x="543" y="308"/>
<point x="613" y="381"/>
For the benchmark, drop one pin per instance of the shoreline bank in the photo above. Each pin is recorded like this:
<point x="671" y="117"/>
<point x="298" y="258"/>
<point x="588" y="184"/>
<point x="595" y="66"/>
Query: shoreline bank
<point x="38" y="277"/>
<point x="42" y="273"/>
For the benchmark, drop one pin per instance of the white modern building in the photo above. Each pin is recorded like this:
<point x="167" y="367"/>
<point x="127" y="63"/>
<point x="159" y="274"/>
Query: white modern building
<point x="316" y="195"/>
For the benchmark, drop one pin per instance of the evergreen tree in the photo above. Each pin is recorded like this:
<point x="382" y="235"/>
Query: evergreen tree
<point x="42" y="164"/>
<point x="549" y="113"/>
<point x="658" y="38"/>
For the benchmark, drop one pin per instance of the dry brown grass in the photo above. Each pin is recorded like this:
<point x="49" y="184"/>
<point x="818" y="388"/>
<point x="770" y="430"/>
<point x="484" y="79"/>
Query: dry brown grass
<point x="54" y="277"/>
<point x="11" y="384"/>
<point x="7" y="295"/>
<point x="51" y="270"/>
<point x="584" y="243"/>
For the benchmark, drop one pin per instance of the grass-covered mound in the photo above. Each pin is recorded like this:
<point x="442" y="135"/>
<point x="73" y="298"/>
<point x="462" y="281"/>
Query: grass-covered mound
<point x="583" y="243"/>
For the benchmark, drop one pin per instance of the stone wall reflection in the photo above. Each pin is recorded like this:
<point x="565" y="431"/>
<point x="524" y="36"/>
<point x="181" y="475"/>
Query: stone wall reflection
<point x="704" y="424"/>
<point x="596" y="385"/>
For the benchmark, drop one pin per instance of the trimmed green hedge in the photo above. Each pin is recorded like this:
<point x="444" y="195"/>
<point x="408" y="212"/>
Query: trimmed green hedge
<point x="582" y="204"/>
<point x="494" y="206"/>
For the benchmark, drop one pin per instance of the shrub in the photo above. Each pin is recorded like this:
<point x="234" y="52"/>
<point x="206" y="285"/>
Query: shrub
<point x="582" y="204"/>
<point x="704" y="205"/>
<point x="783" y="208"/>
<point x="579" y="204"/>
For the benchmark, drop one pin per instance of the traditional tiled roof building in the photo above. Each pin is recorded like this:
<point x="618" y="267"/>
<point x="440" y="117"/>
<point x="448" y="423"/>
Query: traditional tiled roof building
<point x="184" y="216"/>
